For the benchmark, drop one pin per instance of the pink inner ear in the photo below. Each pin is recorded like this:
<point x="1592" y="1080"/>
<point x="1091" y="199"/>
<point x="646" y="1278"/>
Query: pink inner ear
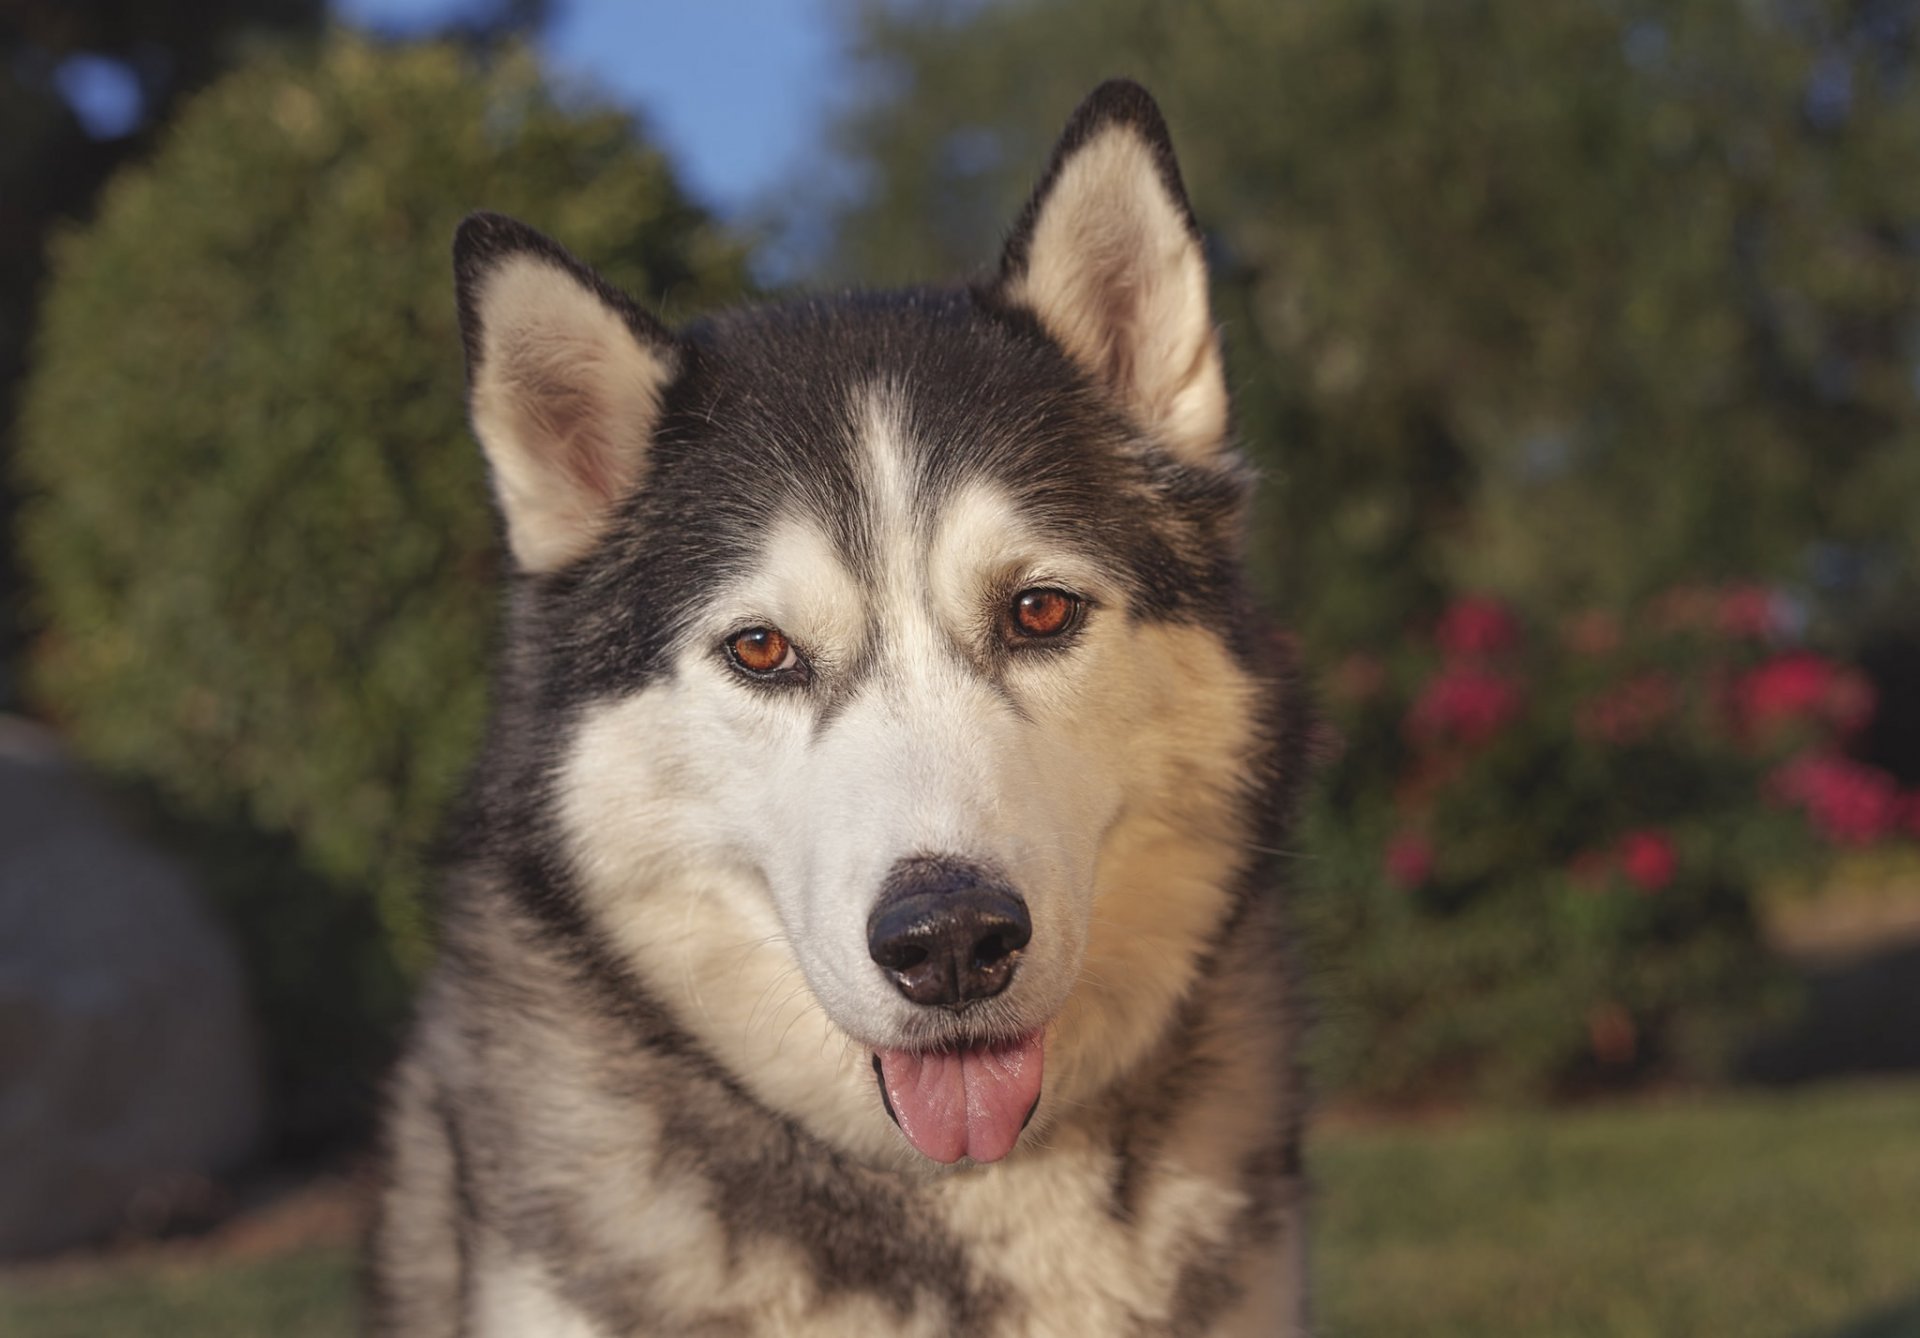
<point x="571" y="431"/>
<point x="579" y="446"/>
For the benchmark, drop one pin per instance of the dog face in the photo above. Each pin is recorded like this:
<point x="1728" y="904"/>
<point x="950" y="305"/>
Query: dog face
<point x="890" y="641"/>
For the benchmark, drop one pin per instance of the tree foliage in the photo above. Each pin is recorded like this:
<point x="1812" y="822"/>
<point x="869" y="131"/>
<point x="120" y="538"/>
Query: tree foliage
<point x="51" y="163"/>
<point x="1557" y="300"/>
<point x="259" y="531"/>
<point x="1570" y="304"/>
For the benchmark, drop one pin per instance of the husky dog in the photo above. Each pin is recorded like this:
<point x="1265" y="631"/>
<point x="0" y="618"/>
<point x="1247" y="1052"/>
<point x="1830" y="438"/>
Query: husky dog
<point x="864" y="916"/>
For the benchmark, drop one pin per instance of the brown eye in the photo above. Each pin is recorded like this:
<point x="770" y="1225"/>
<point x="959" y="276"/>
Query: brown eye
<point x="763" y="650"/>
<point x="1044" y="613"/>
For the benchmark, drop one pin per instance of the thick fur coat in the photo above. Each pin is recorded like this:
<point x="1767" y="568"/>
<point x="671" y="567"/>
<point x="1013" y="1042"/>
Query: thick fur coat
<point x="865" y="916"/>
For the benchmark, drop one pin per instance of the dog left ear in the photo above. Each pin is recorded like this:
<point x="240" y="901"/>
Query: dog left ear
<point x="565" y="382"/>
<point x="1107" y="255"/>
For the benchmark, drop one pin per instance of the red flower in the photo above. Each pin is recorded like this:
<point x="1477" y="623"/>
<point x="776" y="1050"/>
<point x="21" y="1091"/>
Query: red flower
<point x="1476" y="626"/>
<point x="1464" y="704"/>
<point x="1629" y="711"/>
<point x="1747" y="611"/>
<point x="1409" y="860"/>
<point x="1850" y="701"/>
<point x="1849" y="803"/>
<point x="1800" y="685"/>
<point x="1787" y="687"/>
<point x="1648" y="858"/>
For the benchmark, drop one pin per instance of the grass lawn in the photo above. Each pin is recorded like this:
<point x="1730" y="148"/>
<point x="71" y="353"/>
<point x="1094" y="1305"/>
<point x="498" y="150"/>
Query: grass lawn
<point x="304" y="1294"/>
<point x="1793" y="1215"/>
<point x="1796" y="1216"/>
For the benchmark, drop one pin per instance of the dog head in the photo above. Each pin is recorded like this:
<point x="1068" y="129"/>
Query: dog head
<point x="891" y="647"/>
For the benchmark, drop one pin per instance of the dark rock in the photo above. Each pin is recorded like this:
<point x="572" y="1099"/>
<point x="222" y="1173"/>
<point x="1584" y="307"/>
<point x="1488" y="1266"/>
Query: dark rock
<point x="128" y="1073"/>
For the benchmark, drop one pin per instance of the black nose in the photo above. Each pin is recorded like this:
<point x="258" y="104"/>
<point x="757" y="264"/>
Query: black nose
<point x="947" y="933"/>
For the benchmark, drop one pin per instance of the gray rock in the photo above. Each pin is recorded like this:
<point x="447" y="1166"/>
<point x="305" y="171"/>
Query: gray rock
<point x="128" y="1069"/>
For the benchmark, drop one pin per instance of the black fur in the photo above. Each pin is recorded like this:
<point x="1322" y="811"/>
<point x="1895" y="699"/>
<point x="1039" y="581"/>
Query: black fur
<point x="1117" y="102"/>
<point x="484" y="239"/>
<point x="755" y="426"/>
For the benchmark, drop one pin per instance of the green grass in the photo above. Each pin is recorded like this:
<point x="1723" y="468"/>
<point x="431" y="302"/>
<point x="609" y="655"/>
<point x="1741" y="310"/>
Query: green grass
<point x="306" y="1294"/>
<point x="1751" y="1216"/>
<point x="1793" y="1215"/>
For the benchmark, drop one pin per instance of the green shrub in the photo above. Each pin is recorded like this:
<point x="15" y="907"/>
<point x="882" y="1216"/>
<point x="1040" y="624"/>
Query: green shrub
<point x="264" y="560"/>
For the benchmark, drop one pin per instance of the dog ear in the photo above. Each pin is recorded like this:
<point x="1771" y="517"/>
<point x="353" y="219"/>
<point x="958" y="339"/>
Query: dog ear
<point x="564" y="383"/>
<point x="1107" y="255"/>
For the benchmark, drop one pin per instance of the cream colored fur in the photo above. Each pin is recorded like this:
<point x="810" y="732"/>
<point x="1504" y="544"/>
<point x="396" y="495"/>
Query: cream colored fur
<point x="734" y="852"/>
<point x="697" y="805"/>
<point x="564" y="400"/>
<point x="728" y="842"/>
<point x="1116" y="276"/>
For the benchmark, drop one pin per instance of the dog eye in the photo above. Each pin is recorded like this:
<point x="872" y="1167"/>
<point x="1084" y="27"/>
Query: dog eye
<point x="1044" y="612"/>
<point x="764" y="652"/>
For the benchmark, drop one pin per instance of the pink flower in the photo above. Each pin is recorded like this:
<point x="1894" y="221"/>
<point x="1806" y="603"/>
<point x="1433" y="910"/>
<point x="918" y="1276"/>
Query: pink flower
<point x="1848" y="802"/>
<point x="1409" y="860"/>
<point x="1850" y="702"/>
<point x="1786" y="687"/>
<point x="1648" y="859"/>
<point x="1802" y="686"/>
<point x="1476" y="626"/>
<point x="1464" y="704"/>
<point x="1629" y="711"/>
<point x="1746" y="611"/>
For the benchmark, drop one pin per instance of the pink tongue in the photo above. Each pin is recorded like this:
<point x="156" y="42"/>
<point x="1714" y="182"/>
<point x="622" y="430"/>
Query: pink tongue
<point x="964" y="1103"/>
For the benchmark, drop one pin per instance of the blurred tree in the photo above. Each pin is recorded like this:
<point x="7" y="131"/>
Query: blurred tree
<point x="1557" y="300"/>
<point x="126" y="66"/>
<point x="257" y="527"/>
<point x="85" y="85"/>
<point x="1566" y="302"/>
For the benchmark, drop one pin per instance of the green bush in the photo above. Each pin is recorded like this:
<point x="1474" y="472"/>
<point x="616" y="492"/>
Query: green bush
<point x="264" y="561"/>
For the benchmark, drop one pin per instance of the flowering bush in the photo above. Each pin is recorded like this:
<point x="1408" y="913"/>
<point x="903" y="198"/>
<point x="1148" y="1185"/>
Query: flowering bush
<point x="1538" y="846"/>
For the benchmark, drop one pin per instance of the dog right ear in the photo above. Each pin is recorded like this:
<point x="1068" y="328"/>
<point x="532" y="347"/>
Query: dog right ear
<point x="1107" y="255"/>
<point x="565" y="377"/>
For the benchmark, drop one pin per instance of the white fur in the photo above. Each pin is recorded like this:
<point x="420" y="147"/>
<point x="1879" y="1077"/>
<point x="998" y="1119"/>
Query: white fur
<point x="516" y="1297"/>
<point x="513" y="1297"/>
<point x="735" y="851"/>
<point x="1115" y="275"/>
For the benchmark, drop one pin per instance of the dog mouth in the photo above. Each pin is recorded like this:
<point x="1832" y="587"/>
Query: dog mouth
<point x="972" y="1102"/>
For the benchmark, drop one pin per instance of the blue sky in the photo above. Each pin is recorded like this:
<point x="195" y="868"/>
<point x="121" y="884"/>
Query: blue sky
<point x="737" y="91"/>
